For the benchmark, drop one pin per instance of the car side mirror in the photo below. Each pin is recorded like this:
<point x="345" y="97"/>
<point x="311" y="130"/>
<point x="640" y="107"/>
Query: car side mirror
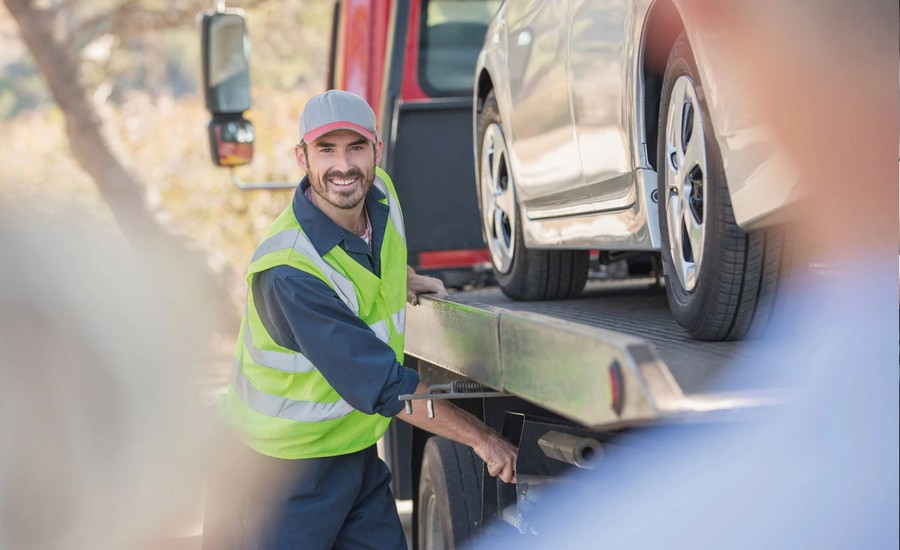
<point x="226" y="84"/>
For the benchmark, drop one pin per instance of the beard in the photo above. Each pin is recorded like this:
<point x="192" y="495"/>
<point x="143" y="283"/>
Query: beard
<point x="342" y="198"/>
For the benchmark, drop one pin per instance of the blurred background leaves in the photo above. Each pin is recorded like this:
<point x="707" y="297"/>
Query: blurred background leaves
<point x="138" y="66"/>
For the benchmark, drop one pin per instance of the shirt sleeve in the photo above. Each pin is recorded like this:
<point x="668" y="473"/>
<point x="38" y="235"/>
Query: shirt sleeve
<point x="304" y="314"/>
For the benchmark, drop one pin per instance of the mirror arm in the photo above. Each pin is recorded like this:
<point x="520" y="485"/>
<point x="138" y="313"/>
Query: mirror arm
<point x="252" y="186"/>
<point x="220" y="6"/>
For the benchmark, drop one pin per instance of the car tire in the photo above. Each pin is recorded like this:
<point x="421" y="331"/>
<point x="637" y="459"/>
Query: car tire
<point x="720" y="280"/>
<point x="449" y="495"/>
<point x="522" y="273"/>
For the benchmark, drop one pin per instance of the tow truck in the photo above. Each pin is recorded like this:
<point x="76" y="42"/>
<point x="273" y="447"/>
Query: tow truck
<point x="564" y="380"/>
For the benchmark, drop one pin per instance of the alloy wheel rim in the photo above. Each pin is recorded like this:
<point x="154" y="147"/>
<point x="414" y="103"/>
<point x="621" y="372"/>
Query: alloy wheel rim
<point x="498" y="199"/>
<point x="685" y="182"/>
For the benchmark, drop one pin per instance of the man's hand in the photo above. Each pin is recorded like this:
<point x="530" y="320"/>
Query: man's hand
<point x="456" y="424"/>
<point x="419" y="284"/>
<point x="499" y="455"/>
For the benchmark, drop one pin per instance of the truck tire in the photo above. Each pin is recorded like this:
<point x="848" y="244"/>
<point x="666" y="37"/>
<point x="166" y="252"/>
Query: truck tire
<point x="523" y="274"/>
<point x="720" y="281"/>
<point x="449" y="495"/>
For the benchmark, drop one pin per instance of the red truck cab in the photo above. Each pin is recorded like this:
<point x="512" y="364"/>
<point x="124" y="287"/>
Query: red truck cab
<point x="414" y="62"/>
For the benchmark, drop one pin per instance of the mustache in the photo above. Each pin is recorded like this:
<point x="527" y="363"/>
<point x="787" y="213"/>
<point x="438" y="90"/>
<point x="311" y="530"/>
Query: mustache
<point x="349" y="174"/>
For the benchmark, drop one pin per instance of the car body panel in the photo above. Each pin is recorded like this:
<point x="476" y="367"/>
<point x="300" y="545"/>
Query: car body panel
<point x="619" y="229"/>
<point x="597" y="70"/>
<point x="539" y="119"/>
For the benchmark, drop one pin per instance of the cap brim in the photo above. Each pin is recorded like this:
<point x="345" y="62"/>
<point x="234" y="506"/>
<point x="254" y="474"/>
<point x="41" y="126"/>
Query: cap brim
<point x="316" y="133"/>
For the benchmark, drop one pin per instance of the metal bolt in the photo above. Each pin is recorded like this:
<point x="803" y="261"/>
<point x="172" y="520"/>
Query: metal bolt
<point x="430" y="404"/>
<point x="408" y="406"/>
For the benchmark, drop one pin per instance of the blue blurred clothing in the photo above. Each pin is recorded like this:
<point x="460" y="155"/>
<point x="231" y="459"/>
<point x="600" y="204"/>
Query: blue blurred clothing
<point x="819" y="471"/>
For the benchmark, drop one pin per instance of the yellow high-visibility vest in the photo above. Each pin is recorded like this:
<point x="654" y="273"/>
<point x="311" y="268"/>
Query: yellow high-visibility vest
<point x="277" y="399"/>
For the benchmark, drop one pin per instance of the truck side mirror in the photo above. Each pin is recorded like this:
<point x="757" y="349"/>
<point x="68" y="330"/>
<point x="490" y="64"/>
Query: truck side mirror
<point x="226" y="84"/>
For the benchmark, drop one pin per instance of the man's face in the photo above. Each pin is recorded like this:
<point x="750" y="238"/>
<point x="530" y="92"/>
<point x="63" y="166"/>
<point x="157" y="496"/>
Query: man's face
<point x="340" y="166"/>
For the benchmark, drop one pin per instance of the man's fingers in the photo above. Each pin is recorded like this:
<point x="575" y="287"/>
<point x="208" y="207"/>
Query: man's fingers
<point x="506" y="472"/>
<point x="421" y="284"/>
<point x="499" y="458"/>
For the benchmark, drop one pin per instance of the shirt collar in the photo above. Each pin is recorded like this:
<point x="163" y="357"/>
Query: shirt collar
<point x="322" y="231"/>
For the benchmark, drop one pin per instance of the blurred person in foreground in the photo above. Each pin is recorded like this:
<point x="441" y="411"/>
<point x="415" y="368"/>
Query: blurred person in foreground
<point x="318" y="369"/>
<point x="820" y="471"/>
<point x="101" y="437"/>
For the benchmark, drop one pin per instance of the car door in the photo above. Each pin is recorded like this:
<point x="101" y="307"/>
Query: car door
<point x="597" y="68"/>
<point x="544" y="154"/>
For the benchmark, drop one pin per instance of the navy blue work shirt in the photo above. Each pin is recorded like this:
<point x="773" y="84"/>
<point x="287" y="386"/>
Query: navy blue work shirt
<point x="304" y="314"/>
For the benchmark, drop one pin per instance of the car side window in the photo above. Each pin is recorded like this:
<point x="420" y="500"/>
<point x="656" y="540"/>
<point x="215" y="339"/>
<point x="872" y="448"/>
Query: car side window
<point x="450" y="37"/>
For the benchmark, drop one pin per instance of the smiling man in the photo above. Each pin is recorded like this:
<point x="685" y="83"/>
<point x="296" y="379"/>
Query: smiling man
<point x="318" y="366"/>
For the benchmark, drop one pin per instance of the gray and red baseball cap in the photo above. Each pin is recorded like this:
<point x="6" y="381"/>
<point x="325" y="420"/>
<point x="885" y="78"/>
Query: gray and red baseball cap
<point x="337" y="110"/>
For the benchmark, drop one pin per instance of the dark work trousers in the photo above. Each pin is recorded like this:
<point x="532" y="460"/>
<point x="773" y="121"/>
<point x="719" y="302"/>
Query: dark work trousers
<point x="259" y="502"/>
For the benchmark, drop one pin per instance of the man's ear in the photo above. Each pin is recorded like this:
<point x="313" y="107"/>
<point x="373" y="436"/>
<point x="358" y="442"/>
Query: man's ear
<point x="378" y="145"/>
<point x="301" y="157"/>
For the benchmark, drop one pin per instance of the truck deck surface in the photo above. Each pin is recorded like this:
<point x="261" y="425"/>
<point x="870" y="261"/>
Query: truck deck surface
<point x="639" y="308"/>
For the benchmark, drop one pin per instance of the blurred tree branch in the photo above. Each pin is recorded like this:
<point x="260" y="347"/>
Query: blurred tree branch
<point x="96" y="154"/>
<point x="133" y="19"/>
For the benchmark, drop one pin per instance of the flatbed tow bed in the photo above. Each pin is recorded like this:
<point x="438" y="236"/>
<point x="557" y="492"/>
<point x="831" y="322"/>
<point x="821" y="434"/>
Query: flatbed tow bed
<point x="558" y="354"/>
<point x="638" y="307"/>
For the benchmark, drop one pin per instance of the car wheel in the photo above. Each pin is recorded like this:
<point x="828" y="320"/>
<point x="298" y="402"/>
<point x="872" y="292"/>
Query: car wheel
<point x="720" y="280"/>
<point x="449" y="495"/>
<point x="523" y="274"/>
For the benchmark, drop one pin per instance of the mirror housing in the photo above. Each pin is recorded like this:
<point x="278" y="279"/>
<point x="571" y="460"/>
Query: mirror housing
<point x="226" y="62"/>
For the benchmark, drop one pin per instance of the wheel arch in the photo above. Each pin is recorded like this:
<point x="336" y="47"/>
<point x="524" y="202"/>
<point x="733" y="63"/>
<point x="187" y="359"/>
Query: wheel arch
<point x="483" y="86"/>
<point x="662" y="26"/>
<point x="484" y="83"/>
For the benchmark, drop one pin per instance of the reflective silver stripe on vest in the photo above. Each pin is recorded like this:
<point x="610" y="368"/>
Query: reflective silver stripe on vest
<point x="278" y="360"/>
<point x="299" y="241"/>
<point x="381" y="331"/>
<point x="396" y="215"/>
<point x="291" y="361"/>
<point x="280" y="407"/>
<point x="399" y="319"/>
